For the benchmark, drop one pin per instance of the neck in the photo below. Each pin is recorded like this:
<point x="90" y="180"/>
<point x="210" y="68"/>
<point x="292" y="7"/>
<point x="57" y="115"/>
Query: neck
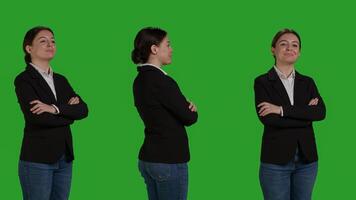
<point x="42" y="64"/>
<point x="286" y="69"/>
<point x="155" y="62"/>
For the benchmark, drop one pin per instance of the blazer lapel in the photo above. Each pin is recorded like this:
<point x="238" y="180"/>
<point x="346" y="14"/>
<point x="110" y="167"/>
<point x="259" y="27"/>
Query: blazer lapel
<point x="41" y="82"/>
<point x="298" y="89"/>
<point x="59" y="86"/>
<point x="278" y="86"/>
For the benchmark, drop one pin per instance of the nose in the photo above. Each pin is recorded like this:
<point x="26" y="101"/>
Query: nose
<point x="50" y="44"/>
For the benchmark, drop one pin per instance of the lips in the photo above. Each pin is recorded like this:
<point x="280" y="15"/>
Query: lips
<point x="289" y="54"/>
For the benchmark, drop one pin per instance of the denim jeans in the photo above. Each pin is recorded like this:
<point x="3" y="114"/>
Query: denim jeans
<point x="165" y="181"/>
<point x="293" y="181"/>
<point x="41" y="181"/>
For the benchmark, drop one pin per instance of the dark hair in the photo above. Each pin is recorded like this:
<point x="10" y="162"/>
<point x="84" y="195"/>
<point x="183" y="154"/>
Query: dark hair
<point x="29" y="37"/>
<point x="285" y="31"/>
<point x="144" y="39"/>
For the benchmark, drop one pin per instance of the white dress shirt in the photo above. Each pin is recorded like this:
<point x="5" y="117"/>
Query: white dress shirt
<point x="288" y="83"/>
<point x="48" y="77"/>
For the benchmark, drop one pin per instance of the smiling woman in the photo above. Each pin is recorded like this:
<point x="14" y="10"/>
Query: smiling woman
<point x="50" y="106"/>
<point x="287" y="103"/>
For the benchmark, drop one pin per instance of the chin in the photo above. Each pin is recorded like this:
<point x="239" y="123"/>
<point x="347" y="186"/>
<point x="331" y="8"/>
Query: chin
<point x="48" y="58"/>
<point x="167" y="63"/>
<point x="290" y="60"/>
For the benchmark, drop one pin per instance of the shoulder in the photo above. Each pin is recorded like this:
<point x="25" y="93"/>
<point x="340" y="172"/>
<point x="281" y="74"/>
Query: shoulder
<point x="22" y="77"/>
<point x="59" y="76"/>
<point x="153" y="76"/>
<point x="305" y="78"/>
<point x="263" y="78"/>
<point x="61" y="79"/>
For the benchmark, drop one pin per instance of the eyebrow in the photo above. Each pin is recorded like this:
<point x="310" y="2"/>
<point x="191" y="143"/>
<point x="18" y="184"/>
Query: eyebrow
<point x="44" y="37"/>
<point x="287" y="41"/>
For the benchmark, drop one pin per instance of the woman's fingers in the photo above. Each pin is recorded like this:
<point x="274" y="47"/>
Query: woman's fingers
<point x="266" y="112"/>
<point x="35" y="107"/>
<point x="73" y="100"/>
<point x="263" y="108"/>
<point x="40" y="108"/>
<point x="192" y="107"/>
<point x="40" y="111"/>
<point x="262" y="104"/>
<point x="35" y="102"/>
<point x="313" y="102"/>
<point x="268" y="108"/>
<point x="316" y="101"/>
<point x="37" y="110"/>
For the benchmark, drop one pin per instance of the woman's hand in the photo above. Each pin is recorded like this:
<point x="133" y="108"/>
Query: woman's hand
<point x="268" y="108"/>
<point x="313" y="102"/>
<point x="40" y="108"/>
<point x="192" y="107"/>
<point x="73" y="101"/>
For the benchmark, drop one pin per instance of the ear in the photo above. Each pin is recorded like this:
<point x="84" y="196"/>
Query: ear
<point x="28" y="49"/>
<point x="154" y="49"/>
<point x="272" y="50"/>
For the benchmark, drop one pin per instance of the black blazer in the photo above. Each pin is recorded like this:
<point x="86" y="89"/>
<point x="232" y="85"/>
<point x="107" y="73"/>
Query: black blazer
<point x="164" y="111"/>
<point x="47" y="136"/>
<point x="282" y="134"/>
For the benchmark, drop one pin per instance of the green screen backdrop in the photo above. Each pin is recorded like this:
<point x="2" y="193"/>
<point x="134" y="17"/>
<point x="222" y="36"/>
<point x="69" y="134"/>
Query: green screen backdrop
<point x="219" y="47"/>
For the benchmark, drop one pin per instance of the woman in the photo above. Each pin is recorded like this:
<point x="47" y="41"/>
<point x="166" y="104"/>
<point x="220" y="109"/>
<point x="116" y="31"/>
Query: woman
<point x="165" y="113"/>
<point x="50" y="106"/>
<point x="287" y="104"/>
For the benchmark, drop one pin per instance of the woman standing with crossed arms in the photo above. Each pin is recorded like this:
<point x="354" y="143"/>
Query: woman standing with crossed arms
<point x="287" y="103"/>
<point x="49" y="106"/>
<point x="164" y="155"/>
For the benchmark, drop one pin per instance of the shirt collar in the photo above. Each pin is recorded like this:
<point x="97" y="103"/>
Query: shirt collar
<point x="149" y="64"/>
<point x="283" y="76"/>
<point x="41" y="71"/>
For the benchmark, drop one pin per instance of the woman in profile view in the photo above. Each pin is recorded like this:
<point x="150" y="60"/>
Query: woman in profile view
<point x="165" y="113"/>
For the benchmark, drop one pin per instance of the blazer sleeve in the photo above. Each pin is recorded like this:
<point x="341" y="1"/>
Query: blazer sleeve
<point x="274" y="119"/>
<point x="306" y="112"/>
<point x="73" y="112"/>
<point x="25" y="94"/>
<point x="172" y="99"/>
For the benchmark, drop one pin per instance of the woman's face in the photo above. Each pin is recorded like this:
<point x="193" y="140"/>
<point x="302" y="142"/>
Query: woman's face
<point x="286" y="50"/>
<point x="164" y="51"/>
<point x="43" y="46"/>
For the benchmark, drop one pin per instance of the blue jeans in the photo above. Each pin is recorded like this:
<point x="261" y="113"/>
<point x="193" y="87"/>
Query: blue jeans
<point x="165" y="181"/>
<point x="293" y="181"/>
<point x="41" y="181"/>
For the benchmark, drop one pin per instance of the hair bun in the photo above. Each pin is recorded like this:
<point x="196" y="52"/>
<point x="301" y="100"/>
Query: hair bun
<point x="136" y="56"/>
